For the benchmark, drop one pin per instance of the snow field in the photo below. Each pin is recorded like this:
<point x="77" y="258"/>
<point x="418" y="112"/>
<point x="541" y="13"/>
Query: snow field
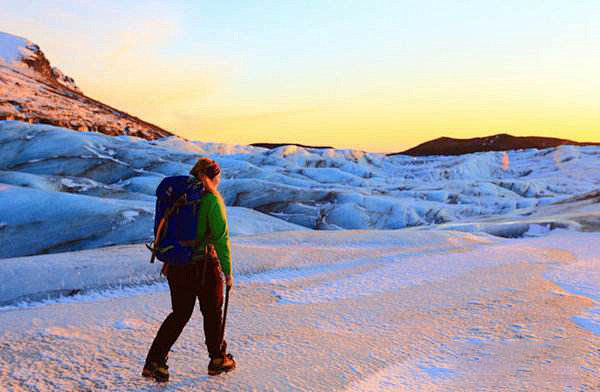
<point x="468" y="312"/>
<point x="299" y="252"/>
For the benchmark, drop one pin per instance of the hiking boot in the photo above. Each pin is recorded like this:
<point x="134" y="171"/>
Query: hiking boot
<point x="156" y="370"/>
<point x="219" y="365"/>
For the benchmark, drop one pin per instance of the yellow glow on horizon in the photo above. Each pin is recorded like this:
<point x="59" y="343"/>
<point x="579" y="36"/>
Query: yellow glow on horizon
<point x="396" y="127"/>
<point x="376" y="119"/>
<point x="193" y="105"/>
<point x="385" y="81"/>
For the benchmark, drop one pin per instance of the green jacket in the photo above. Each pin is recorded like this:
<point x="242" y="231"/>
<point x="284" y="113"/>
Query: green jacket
<point x="212" y="215"/>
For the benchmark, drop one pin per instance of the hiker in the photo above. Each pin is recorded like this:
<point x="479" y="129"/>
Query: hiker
<point x="186" y="282"/>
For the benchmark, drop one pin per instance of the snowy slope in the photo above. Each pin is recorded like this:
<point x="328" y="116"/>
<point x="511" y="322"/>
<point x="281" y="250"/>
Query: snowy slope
<point x="24" y="57"/>
<point x="13" y="48"/>
<point x="31" y="90"/>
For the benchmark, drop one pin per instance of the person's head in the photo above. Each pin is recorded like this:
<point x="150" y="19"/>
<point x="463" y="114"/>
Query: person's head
<point x="207" y="171"/>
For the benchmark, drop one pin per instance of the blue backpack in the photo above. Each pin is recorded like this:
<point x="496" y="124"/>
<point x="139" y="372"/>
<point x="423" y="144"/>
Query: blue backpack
<point x="176" y="220"/>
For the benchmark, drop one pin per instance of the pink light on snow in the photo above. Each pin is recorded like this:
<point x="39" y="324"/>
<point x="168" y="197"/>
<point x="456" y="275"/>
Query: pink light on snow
<point x="505" y="161"/>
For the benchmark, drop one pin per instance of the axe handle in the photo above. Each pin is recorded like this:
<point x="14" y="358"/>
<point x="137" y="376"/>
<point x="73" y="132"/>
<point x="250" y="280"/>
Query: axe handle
<point x="157" y="240"/>
<point x="225" y="314"/>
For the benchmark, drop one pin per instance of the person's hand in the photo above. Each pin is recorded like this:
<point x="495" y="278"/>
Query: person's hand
<point x="229" y="281"/>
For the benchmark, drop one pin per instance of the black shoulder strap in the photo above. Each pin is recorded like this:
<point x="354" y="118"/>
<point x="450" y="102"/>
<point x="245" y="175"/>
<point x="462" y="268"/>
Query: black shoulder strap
<point x="207" y="233"/>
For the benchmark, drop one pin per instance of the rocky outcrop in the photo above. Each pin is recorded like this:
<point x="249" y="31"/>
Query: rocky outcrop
<point x="33" y="91"/>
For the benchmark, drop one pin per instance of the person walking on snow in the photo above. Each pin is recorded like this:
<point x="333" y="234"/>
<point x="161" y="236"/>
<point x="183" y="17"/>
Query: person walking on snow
<point x="185" y="283"/>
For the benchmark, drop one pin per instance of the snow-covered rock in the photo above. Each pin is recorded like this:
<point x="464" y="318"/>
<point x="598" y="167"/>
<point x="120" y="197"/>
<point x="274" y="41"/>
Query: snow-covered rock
<point x="31" y="90"/>
<point x="26" y="57"/>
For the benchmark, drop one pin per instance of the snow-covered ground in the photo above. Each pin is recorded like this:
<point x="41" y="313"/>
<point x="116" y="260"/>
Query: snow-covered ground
<point x="492" y="283"/>
<point x="405" y="310"/>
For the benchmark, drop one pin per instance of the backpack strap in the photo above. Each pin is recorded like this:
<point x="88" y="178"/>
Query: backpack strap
<point x="206" y="241"/>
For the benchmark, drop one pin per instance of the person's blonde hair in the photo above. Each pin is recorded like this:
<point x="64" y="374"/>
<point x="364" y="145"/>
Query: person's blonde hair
<point x="206" y="167"/>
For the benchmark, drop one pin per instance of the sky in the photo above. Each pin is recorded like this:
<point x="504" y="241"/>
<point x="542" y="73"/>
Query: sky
<point x="380" y="76"/>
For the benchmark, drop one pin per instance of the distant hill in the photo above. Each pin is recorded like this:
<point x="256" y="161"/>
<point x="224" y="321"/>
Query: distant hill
<point x="500" y="142"/>
<point x="33" y="91"/>
<point x="275" y="145"/>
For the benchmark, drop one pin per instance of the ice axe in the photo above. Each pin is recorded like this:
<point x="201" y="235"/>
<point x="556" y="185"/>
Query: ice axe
<point x="225" y="314"/>
<point x="153" y="246"/>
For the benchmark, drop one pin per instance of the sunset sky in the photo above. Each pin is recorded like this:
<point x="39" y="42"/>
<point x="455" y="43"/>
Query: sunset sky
<point x="380" y="76"/>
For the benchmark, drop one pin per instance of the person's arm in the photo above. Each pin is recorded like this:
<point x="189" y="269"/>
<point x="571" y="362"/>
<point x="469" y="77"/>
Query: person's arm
<point x="219" y="235"/>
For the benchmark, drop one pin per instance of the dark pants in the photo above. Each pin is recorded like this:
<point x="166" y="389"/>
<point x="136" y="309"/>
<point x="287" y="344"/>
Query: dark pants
<point x="185" y="283"/>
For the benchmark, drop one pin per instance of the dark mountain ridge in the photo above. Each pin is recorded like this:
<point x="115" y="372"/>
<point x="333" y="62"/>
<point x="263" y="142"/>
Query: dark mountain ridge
<point x="500" y="142"/>
<point x="276" y="145"/>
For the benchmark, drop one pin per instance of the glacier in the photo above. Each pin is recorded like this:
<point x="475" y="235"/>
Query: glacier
<point x="50" y="174"/>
